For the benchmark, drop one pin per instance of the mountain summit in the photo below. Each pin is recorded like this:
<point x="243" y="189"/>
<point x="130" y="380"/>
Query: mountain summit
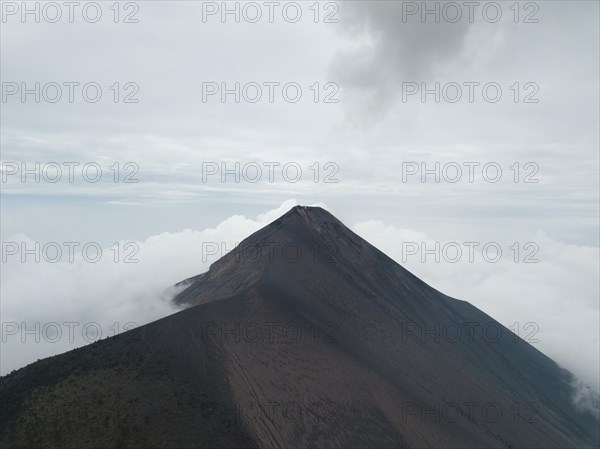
<point x="304" y="335"/>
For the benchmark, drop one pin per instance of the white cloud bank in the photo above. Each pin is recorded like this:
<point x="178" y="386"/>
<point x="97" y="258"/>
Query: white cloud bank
<point x="559" y="293"/>
<point x="103" y="297"/>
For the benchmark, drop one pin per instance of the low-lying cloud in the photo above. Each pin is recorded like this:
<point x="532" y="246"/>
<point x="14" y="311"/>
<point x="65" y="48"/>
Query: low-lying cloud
<point x="558" y="294"/>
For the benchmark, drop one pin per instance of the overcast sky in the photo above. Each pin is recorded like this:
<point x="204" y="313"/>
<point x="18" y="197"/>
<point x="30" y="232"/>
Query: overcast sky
<point x="528" y="105"/>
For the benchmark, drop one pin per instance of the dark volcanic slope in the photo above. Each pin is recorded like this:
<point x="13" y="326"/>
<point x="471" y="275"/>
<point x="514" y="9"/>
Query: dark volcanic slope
<point x="304" y="336"/>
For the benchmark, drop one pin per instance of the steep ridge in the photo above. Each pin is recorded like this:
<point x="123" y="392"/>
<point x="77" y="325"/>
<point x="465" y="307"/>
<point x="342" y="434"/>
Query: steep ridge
<point x="303" y="336"/>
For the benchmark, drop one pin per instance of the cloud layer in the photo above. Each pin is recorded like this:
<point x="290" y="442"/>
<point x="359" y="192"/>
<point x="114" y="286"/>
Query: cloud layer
<point x="553" y="304"/>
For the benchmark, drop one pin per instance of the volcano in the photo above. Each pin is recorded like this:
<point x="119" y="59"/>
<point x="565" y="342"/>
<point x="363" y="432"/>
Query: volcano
<point x="303" y="336"/>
